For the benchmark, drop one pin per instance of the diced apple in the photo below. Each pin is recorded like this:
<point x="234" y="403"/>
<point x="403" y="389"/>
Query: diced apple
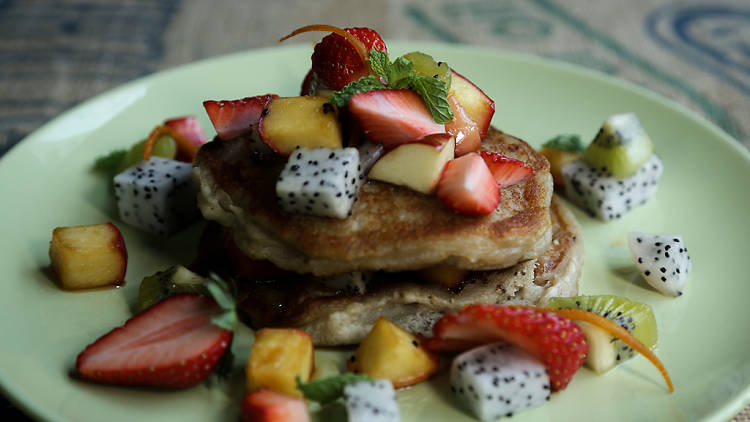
<point x="557" y="160"/>
<point x="307" y="121"/>
<point x="85" y="257"/>
<point x="390" y="352"/>
<point x="465" y="130"/>
<point x="416" y="165"/>
<point x="477" y="104"/>
<point x="446" y="275"/>
<point x="277" y="357"/>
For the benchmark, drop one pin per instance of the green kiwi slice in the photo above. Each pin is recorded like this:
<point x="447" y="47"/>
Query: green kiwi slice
<point x="425" y="65"/>
<point x="164" y="147"/>
<point x="620" y="147"/>
<point x="605" y="351"/>
<point x="173" y="280"/>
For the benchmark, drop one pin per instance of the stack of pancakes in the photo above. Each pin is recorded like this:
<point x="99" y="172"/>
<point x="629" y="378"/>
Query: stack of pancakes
<point x="530" y="248"/>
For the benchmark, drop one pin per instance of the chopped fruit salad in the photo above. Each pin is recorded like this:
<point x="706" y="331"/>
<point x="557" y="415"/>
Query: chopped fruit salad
<point x="363" y="117"/>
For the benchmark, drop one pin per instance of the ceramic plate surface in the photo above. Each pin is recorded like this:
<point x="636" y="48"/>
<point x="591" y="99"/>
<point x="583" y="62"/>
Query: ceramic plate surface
<point x="46" y="182"/>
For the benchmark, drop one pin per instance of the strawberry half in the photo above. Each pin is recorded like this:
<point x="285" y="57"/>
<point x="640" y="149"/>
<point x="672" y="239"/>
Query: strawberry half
<point x="269" y="406"/>
<point x="234" y="118"/>
<point x="393" y="116"/>
<point x="336" y="61"/>
<point x="554" y="340"/>
<point x="189" y="127"/>
<point x="172" y="344"/>
<point x="506" y="171"/>
<point x="467" y="186"/>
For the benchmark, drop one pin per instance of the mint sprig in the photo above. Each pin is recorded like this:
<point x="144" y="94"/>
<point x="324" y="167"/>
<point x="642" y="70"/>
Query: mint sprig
<point x="328" y="389"/>
<point x="399" y="74"/>
<point x="363" y="84"/>
<point x="565" y="142"/>
<point x="435" y="95"/>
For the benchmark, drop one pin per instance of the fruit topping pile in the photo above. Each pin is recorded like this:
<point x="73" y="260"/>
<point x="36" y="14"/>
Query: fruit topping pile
<point x="412" y="122"/>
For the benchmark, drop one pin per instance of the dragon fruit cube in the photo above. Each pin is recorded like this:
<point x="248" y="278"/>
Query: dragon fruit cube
<point x="606" y="197"/>
<point x="498" y="380"/>
<point x="320" y="181"/>
<point x="371" y="401"/>
<point x="157" y="195"/>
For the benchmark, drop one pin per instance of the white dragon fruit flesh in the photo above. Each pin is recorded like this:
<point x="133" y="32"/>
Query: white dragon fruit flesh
<point x="498" y="380"/>
<point x="662" y="260"/>
<point x="320" y="181"/>
<point x="606" y="197"/>
<point x="371" y="401"/>
<point x="157" y="195"/>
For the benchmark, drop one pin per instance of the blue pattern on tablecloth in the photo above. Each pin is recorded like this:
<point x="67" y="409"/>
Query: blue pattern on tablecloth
<point x="715" y="38"/>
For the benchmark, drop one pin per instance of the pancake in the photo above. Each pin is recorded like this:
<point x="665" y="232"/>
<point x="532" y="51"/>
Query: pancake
<point x="391" y="228"/>
<point x="334" y="317"/>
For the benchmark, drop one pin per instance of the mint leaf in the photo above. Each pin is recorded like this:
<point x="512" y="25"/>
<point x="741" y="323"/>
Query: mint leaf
<point x="397" y="75"/>
<point x="435" y="95"/>
<point x="400" y="69"/>
<point x="380" y="63"/>
<point x="363" y="84"/>
<point x="109" y="164"/>
<point x="328" y="389"/>
<point x="565" y="142"/>
<point x="224" y="296"/>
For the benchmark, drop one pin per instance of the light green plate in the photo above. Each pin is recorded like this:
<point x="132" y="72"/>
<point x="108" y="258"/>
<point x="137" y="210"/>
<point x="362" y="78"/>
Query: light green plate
<point x="45" y="182"/>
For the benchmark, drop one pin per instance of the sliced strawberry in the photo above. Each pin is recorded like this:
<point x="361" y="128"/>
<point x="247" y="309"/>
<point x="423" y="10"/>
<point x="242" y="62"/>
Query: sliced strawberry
<point x="393" y="116"/>
<point x="452" y="344"/>
<point x="336" y="61"/>
<point x="467" y="186"/>
<point x="236" y="117"/>
<point x="554" y="340"/>
<point x="189" y="127"/>
<point x="172" y="344"/>
<point x="463" y="128"/>
<point x="506" y="171"/>
<point x="270" y="406"/>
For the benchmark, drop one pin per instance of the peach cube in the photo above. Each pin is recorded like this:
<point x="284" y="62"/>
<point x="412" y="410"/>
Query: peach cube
<point x="277" y="357"/>
<point x="85" y="257"/>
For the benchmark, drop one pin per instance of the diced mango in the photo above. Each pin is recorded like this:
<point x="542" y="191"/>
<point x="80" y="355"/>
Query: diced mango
<point x="390" y="352"/>
<point x="85" y="257"/>
<point x="307" y="121"/>
<point x="277" y="357"/>
<point x="446" y="275"/>
<point x="557" y="160"/>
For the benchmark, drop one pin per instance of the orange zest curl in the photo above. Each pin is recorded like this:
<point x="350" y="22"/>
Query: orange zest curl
<point x="184" y="146"/>
<point x="357" y="44"/>
<point x="614" y="329"/>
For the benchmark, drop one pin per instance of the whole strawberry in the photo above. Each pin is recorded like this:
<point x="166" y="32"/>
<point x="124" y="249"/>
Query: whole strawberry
<point x="554" y="340"/>
<point x="336" y="61"/>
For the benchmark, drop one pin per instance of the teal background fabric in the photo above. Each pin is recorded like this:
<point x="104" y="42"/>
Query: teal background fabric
<point x="56" y="54"/>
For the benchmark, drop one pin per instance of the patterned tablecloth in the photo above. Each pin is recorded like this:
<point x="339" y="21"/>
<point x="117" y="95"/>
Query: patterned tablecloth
<point x="55" y="54"/>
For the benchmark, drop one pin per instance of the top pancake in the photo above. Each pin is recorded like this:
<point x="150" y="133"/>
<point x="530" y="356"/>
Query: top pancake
<point x="391" y="228"/>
